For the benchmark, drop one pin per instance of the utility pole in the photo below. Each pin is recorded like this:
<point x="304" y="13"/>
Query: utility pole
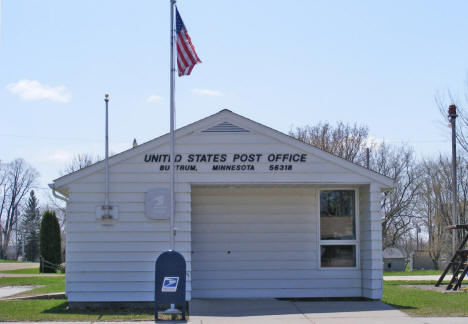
<point x="418" y="230"/>
<point x="368" y="157"/>
<point x="16" y="232"/>
<point x="452" y="115"/>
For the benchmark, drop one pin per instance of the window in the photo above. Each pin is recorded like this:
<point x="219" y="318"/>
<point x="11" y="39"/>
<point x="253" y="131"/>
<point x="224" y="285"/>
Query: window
<point x="338" y="256"/>
<point x="338" y="239"/>
<point x="337" y="215"/>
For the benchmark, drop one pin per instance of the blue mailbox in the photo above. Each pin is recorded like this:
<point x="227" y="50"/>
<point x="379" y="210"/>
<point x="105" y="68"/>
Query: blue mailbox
<point x="169" y="287"/>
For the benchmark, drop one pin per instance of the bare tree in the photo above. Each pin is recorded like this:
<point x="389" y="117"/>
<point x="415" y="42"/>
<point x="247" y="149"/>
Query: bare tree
<point x="436" y="202"/>
<point x="78" y="162"/>
<point x="350" y="143"/>
<point x="399" y="205"/>
<point x="344" y="140"/>
<point x="17" y="179"/>
<point x="59" y="207"/>
<point x="443" y="102"/>
<point x="434" y="207"/>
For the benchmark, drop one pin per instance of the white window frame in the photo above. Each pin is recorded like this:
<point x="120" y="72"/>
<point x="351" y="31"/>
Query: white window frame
<point x="354" y="242"/>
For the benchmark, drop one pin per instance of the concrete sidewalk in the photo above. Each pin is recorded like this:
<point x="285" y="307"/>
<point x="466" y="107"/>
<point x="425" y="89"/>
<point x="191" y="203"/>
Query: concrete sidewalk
<point x="13" y="290"/>
<point x="272" y="311"/>
<point x="413" y="320"/>
<point x="261" y="320"/>
<point x="291" y="312"/>
<point x="5" y="266"/>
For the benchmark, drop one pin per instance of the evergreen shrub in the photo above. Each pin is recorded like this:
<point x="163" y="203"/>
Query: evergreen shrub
<point x="50" y="245"/>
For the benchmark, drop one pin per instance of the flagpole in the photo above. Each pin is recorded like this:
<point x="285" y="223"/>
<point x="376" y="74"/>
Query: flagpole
<point x="172" y="121"/>
<point x="106" y="199"/>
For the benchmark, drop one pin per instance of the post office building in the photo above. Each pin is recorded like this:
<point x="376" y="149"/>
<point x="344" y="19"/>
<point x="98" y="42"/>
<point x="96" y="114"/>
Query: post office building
<point x="257" y="214"/>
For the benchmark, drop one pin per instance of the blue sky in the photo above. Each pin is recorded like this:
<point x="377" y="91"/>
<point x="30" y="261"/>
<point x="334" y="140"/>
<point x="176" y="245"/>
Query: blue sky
<point x="281" y="63"/>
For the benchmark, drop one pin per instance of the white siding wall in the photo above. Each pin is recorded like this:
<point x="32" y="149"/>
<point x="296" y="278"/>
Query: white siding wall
<point x="271" y="233"/>
<point x="371" y="241"/>
<point x="116" y="263"/>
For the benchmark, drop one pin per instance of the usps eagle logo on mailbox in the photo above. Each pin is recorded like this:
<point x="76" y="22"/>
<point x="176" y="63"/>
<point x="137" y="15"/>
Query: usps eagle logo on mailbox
<point x="170" y="284"/>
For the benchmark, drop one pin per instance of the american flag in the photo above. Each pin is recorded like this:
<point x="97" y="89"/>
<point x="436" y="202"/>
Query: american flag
<point x="186" y="55"/>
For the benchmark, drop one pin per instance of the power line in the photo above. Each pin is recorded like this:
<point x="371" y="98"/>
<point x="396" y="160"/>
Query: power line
<point x="60" y="138"/>
<point x="126" y="141"/>
<point x="416" y="141"/>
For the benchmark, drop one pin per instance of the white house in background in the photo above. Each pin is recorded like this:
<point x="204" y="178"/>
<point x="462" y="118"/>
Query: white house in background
<point x="394" y="259"/>
<point x="258" y="214"/>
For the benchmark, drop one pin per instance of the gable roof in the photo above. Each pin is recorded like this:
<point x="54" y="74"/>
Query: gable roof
<point x="393" y="253"/>
<point x="226" y="118"/>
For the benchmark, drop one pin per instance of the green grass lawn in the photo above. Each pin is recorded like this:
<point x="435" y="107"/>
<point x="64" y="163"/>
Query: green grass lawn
<point x="26" y="271"/>
<point x="23" y="271"/>
<point x="418" y="302"/>
<point x="413" y="273"/>
<point x="413" y="301"/>
<point x="55" y="310"/>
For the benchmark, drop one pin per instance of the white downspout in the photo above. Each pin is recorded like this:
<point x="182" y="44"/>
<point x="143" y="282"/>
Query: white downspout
<point x="54" y="193"/>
